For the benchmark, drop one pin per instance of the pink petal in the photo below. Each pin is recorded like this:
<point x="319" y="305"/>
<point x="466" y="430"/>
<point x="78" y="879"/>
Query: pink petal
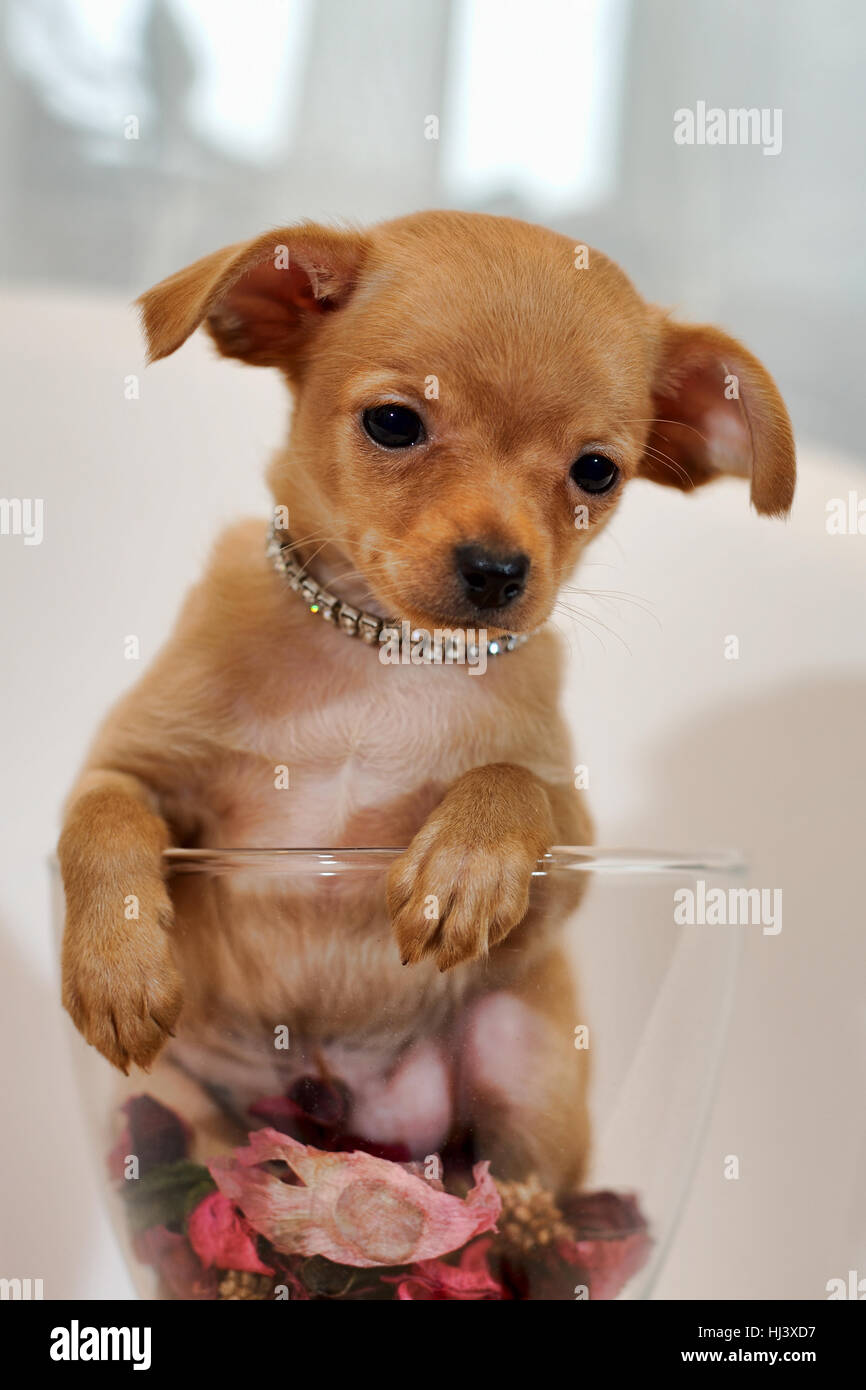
<point x="471" y="1279"/>
<point x="352" y="1208"/>
<point x="611" y="1240"/>
<point x="415" y="1291"/>
<point x="609" y="1264"/>
<point x="221" y="1237"/>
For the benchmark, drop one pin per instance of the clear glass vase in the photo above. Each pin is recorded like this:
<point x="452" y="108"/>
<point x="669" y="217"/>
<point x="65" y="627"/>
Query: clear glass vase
<point x="377" y="1131"/>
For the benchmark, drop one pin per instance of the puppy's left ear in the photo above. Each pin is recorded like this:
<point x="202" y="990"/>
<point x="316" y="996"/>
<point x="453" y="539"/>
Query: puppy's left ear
<point x="717" y="410"/>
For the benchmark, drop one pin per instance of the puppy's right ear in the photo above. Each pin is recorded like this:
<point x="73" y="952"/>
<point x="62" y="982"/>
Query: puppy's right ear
<point x="261" y="300"/>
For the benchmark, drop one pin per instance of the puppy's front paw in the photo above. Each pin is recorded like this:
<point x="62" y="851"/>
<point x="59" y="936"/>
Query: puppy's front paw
<point x="120" y="983"/>
<point x="454" y="902"/>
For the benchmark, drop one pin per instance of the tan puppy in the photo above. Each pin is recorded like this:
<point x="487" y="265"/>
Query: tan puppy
<point x="469" y="405"/>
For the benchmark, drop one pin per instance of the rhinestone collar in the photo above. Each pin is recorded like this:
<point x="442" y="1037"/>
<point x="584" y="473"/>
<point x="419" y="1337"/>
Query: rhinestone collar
<point x="355" y="622"/>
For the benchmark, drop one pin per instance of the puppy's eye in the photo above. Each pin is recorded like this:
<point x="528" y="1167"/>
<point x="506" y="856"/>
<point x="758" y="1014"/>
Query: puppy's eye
<point x="594" y="473"/>
<point x="393" y="426"/>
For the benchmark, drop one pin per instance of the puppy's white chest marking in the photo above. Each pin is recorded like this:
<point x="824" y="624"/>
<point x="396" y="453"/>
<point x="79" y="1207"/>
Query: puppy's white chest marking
<point x="362" y="766"/>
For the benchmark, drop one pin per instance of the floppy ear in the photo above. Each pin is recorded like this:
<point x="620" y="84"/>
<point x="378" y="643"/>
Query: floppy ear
<point x="717" y="410"/>
<point x="260" y="299"/>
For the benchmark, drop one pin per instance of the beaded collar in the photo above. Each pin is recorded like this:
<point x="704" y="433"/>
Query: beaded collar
<point x="371" y="629"/>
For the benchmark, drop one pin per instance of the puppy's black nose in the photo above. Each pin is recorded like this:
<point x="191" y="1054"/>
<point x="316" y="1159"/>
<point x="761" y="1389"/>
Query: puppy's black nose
<point x="491" y="581"/>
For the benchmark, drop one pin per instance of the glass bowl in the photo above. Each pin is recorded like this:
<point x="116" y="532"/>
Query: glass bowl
<point x="374" y="1131"/>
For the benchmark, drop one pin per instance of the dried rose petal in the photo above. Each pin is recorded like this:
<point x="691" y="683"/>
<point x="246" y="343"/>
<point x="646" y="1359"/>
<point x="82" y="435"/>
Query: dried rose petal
<point x="611" y="1241"/>
<point x="153" y="1133"/>
<point x="352" y="1208"/>
<point x="220" y="1236"/>
<point x="433" y="1279"/>
<point x="606" y="1266"/>
<point x="603" y="1213"/>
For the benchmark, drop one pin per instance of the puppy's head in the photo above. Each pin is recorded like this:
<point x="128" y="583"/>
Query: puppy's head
<point x="472" y="396"/>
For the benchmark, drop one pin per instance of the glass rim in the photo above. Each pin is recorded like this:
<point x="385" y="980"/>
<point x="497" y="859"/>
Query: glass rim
<point x="586" y="859"/>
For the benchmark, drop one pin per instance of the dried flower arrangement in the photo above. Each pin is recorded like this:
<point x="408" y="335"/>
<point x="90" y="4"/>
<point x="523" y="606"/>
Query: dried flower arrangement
<point x="281" y="1218"/>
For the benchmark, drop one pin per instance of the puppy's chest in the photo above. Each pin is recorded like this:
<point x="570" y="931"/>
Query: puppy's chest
<point x="338" y="766"/>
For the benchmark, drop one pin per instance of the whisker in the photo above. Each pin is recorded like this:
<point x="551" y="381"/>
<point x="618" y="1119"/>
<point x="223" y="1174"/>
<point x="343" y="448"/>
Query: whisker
<point x="610" y="594"/>
<point x="580" y="615"/>
<point x="575" y="621"/>
<point x="661" y="420"/>
<point x="668" y="462"/>
<point x="615" y="598"/>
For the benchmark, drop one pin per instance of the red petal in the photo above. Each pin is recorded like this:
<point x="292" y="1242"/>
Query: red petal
<point x="470" y="1280"/>
<point x="220" y="1236"/>
<point x="153" y="1133"/>
<point x="611" y="1240"/>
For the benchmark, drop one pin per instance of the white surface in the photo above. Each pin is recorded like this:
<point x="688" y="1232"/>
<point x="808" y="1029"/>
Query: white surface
<point x="684" y="747"/>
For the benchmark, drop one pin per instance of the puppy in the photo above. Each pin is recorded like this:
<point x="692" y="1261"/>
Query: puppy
<point x="470" y="400"/>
